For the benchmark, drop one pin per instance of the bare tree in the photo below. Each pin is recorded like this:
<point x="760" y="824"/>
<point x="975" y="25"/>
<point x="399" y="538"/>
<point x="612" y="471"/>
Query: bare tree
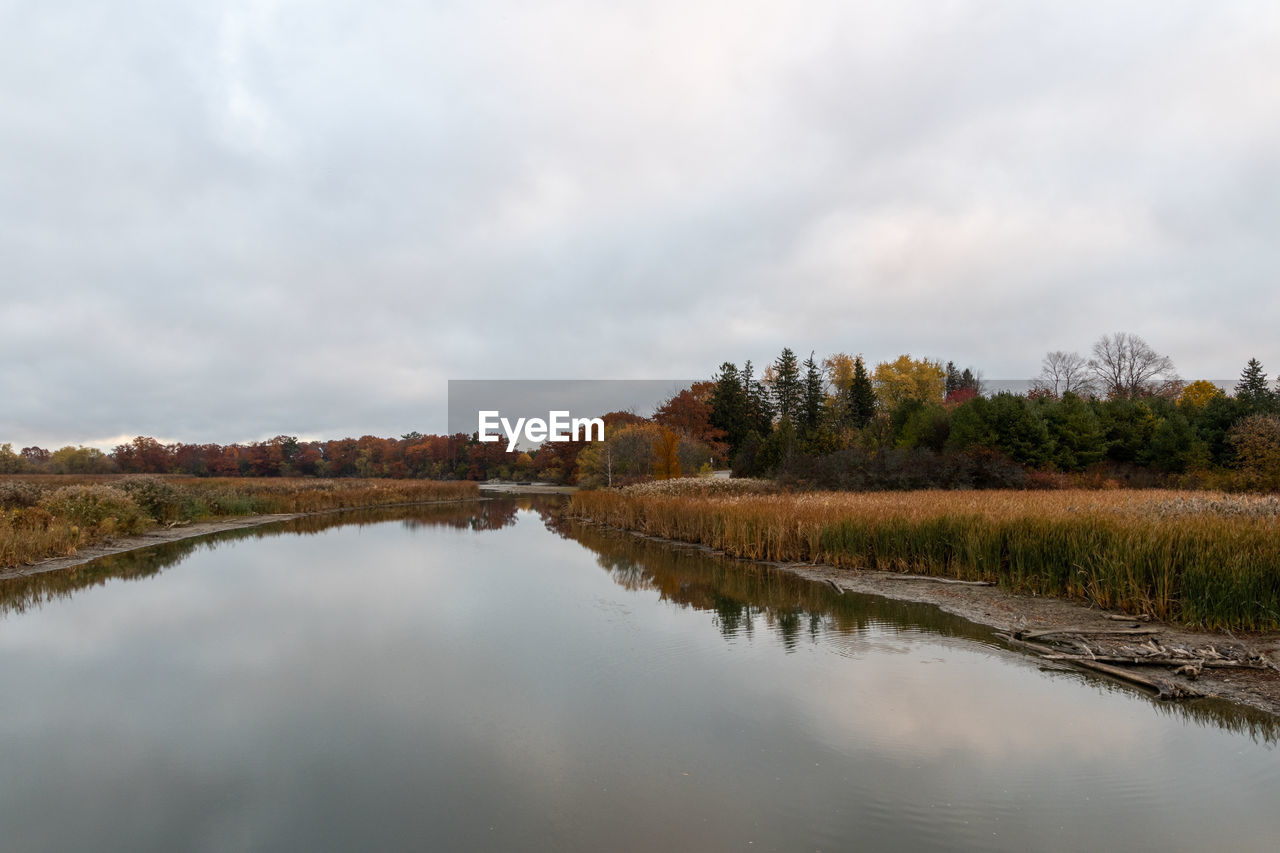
<point x="1126" y="366"/>
<point x="1063" y="372"/>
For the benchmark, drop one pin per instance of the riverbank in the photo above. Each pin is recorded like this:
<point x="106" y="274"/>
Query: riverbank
<point x="1088" y="580"/>
<point x="51" y="516"/>
<point x="1200" y="559"/>
<point x="162" y="535"/>
<point x="156" y="536"/>
<point x="1021" y="615"/>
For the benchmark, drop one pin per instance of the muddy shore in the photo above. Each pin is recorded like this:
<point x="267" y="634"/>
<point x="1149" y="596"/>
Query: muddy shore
<point x="1021" y="614"/>
<point x="145" y="540"/>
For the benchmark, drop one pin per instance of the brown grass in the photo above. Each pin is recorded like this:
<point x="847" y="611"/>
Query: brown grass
<point x="1210" y="560"/>
<point x="45" y="516"/>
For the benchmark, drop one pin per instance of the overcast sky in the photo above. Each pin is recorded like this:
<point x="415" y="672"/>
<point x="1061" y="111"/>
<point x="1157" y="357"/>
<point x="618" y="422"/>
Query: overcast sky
<point x="222" y="221"/>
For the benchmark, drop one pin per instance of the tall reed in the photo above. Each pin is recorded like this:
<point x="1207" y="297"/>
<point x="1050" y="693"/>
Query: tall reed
<point x="1166" y="554"/>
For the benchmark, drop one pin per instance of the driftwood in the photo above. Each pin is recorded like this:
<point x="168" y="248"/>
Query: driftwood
<point x="907" y="577"/>
<point x="1162" y="687"/>
<point x="1153" y="660"/>
<point x="839" y="589"/>
<point x="1087" y="632"/>
<point x="1116" y="617"/>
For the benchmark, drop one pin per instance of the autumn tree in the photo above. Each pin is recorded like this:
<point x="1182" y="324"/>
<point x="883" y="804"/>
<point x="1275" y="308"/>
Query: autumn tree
<point x="80" y="460"/>
<point x="36" y="458"/>
<point x="1198" y="394"/>
<point x="689" y="412"/>
<point x="10" y="462"/>
<point x="666" y="457"/>
<point x="143" y="455"/>
<point x="1256" y="440"/>
<point x="839" y="369"/>
<point x="907" y="378"/>
<point x="1126" y="367"/>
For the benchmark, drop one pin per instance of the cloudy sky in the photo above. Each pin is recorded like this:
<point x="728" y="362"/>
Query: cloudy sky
<point x="222" y="221"/>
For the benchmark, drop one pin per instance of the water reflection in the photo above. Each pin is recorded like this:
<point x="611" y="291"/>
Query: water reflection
<point x="17" y="595"/>
<point x="742" y="596"/>
<point x="404" y="682"/>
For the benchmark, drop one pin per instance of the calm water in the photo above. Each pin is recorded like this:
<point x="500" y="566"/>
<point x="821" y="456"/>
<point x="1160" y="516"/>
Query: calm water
<point x="470" y="679"/>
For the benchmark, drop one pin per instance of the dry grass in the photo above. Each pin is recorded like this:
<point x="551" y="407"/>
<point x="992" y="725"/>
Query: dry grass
<point x="1204" y="559"/>
<point x="52" y="516"/>
<point x="703" y="487"/>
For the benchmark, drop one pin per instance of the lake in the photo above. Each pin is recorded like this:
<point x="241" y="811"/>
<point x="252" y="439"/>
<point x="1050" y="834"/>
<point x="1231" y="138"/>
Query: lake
<point x="477" y="677"/>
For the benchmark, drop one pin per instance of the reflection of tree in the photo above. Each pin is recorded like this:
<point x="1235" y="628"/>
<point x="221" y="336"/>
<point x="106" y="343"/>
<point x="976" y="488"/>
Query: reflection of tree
<point x="788" y="622"/>
<point x="737" y="593"/>
<point x="486" y="515"/>
<point x="732" y="615"/>
<point x="18" y="595"/>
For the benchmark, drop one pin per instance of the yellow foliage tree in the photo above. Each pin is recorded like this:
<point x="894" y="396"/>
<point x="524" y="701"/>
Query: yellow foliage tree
<point x="666" y="457"/>
<point x="906" y="378"/>
<point x="839" y="369"/>
<point x="1198" y="394"/>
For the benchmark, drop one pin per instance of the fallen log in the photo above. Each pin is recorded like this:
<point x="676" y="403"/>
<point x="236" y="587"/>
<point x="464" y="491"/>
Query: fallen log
<point x="1163" y="688"/>
<point x="1087" y="632"/>
<point x="909" y="577"/>
<point x="1160" y="661"/>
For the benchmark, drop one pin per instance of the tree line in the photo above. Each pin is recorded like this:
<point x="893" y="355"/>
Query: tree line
<point x="1120" y="415"/>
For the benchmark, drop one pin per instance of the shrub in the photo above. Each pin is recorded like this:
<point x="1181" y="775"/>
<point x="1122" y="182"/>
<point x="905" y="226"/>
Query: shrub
<point x="16" y="494"/>
<point x="1256" y="440"/>
<point x="158" y="499"/>
<point x="102" y="509"/>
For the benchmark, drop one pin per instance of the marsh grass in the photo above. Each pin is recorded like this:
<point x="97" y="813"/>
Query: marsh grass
<point x="1206" y="560"/>
<point x="52" y="516"/>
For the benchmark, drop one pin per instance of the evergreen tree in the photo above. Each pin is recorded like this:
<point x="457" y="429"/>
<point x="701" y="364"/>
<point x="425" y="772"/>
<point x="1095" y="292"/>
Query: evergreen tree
<point x="861" y="404"/>
<point x="813" y="396"/>
<point x="759" y="409"/>
<point x="1075" y="430"/>
<point x="786" y="385"/>
<point x="729" y="410"/>
<point x="953" y="378"/>
<point x="1252" y="390"/>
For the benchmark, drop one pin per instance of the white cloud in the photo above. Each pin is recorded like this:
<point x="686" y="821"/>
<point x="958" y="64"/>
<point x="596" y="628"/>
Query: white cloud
<point x="231" y="220"/>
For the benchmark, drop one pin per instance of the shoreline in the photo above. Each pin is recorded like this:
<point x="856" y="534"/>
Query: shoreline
<point x="162" y="535"/>
<point x="985" y="605"/>
<point x="1014" y="614"/>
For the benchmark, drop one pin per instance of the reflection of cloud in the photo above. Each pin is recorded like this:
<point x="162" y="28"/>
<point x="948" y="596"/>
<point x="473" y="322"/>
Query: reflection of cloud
<point x="993" y="707"/>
